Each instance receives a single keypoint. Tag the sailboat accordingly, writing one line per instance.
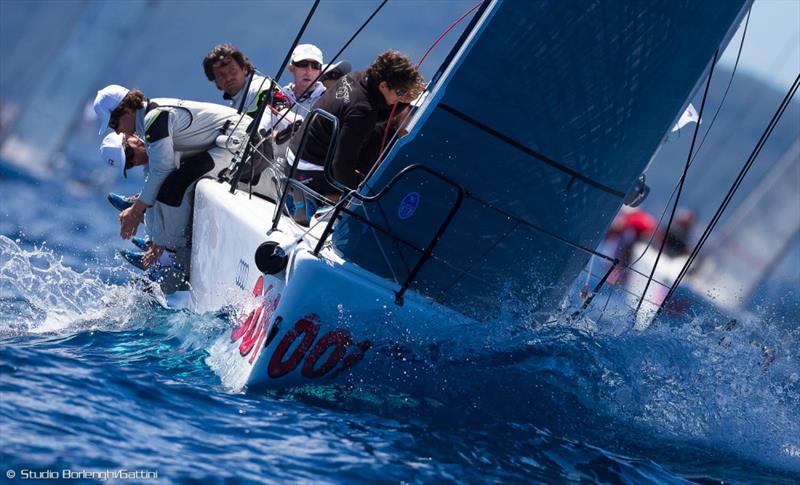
(518, 156)
(754, 239)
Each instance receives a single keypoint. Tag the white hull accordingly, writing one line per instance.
(318, 320)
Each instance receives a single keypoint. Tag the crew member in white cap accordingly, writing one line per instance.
(123, 152)
(305, 68)
(168, 126)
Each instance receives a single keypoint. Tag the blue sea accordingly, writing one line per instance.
(99, 381)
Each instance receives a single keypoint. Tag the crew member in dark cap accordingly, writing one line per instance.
(332, 72)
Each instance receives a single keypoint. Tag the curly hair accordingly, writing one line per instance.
(224, 51)
(134, 100)
(397, 70)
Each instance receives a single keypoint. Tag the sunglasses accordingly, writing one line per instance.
(303, 64)
(401, 93)
(113, 120)
(129, 153)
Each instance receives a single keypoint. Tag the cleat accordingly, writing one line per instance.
(135, 258)
(141, 242)
(120, 202)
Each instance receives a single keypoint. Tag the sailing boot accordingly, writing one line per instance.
(141, 242)
(134, 258)
(120, 202)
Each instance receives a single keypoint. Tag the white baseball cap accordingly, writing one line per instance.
(112, 153)
(307, 52)
(106, 101)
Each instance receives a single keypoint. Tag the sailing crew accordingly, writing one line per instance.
(630, 227)
(677, 240)
(205, 134)
(305, 66)
(123, 152)
(360, 101)
(233, 74)
(331, 73)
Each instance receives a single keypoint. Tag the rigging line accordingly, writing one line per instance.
(705, 135)
(296, 40)
(383, 253)
(681, 183)
(734, 187)
(535, 227)
(725, 95)
(260, 113)
(384, 147)
(438, 39)
(447, 31)
(478, 259)
(528, 151)
(335, 57)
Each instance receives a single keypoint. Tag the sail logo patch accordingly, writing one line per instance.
(408, 206)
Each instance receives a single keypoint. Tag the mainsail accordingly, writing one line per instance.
(546, 114)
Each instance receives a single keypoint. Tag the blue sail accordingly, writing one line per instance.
(546, 115)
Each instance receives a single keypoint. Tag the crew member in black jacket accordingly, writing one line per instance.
(360, 100)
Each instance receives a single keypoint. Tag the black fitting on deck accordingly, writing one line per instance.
(271, 258)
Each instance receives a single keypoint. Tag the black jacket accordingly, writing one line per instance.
(359, 106)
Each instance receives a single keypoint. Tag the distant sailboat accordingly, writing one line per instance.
(755, 237)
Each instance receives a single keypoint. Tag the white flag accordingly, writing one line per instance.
(688, 116)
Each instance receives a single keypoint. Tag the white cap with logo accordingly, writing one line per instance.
(106, 101)
(112, 153)
(307, 52)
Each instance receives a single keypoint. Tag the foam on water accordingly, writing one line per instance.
(729, 394)
(42, 295)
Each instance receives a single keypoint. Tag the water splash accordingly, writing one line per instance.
(39, 294)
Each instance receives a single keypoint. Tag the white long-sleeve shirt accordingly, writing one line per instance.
(173, 125)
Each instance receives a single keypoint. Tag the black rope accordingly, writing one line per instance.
(680, 185)
(296, 40)
(237, 175)
(528, 151)
(260, 113)
(725, 95)
(705, 135)
(734, 187)
(332, 61)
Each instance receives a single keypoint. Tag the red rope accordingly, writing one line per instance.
(448, 30)
(394, 107)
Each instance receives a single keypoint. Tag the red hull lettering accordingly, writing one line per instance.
(308, 328)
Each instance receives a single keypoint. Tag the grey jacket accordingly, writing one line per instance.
(170, 125)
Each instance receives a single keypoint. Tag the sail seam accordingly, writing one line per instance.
(532, 153)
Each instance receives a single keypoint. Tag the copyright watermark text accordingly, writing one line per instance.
(68, 474)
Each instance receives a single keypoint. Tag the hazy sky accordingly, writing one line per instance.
(772, 46)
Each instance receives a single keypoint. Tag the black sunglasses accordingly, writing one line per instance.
(401, 93)
(303, 64)
(113, 120)
(129, 154)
